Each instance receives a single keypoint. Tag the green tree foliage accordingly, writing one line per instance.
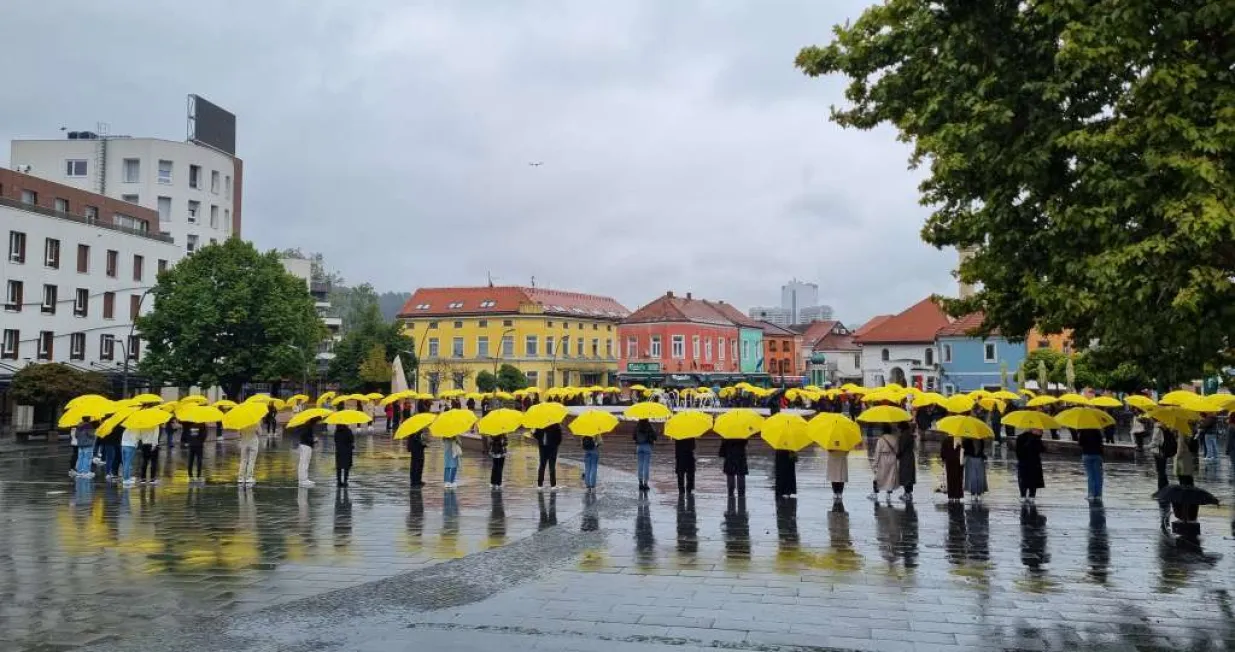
(486, 381)
(1082, 150)
(53, 384)
(369, 331)
(509, 378)
(228, 315)
(375, 370)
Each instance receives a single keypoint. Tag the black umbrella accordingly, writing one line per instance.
(1178, 494)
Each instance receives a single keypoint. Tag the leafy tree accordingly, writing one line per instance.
(509, 378)
(1081, 150)
(369, 331)
(375, 370)
(354, 305)
(228, 315)
(486, 381)
(54, 384)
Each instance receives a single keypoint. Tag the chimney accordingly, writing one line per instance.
(669, 294)
(688, 296)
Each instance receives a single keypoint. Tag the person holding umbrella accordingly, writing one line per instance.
(85, 448)
(907, 461)
(733, 451)
(416, 445)
(887, 466)
(194, 436)
(1029, 477)
(1164, 445)
(344, 450)
(645, 439)
(548, 441)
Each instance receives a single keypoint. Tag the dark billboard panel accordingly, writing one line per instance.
(211, 126)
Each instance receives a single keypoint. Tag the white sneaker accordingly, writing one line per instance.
(153, 482)
(72, 473)
(251, 481)
(128, 483)
(540, 488)
(307, 483)
(553, 489)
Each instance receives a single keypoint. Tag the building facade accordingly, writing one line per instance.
(781, 354)
(901, 348)
(555, 338)
(320, 291)
(195, 191)
(829, 354)
(969, 362)
(750, 337)
(799, 304)
(77, 270)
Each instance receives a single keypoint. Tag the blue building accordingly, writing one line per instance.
(968, 362)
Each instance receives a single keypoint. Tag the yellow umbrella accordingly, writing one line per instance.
(373, 396)
(1005, 395)
(1105, 402)
(1041, 401)
(280, 405)
(979, 394)
(612, 390)
(739, 423)
(259, 398)
(1141, 402)
(1199, 404)
(452, 423)
(929, 398)
(885, 395)
(1177, 397)
(128, 402)
(503, 396)
(225, 404)
(244, 416)
(786, 432)
(475, 396)
(1030, 420)
(965, 427)
(543, 415)
(850, 388)
(1027, 392)
(109, 425)
(148, 399)
(884, 414)
(93, 410)
(415, 424)
(637, 388)
(304, 417)
(593, 423)
(194, 399)
(397, 396)
(1224, 401)
(325, 397)
(86, 398)
(648, 410)
(1176, 418)
(1085, 418)
(992, 404)
(500, 422)
(343, 398)
(959, 404)
(532, 390)
(451, 393)
(170, 406)
(145, 419)
(199, 414)
(348, 418)
(688, 425)
(834, 432)
(298, 398)
(896, 386)
(1074, 399)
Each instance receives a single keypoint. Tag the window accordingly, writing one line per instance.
(132, 199)
(579, 347)
(77, 346)
(533, 379)
(227, 218)
(433, 350)
(458, 324)
(595, 348)
(949, 389)
(8, 346)
(45, 344)
(857, 361)
(989, 352)
(75, 167)
(929, 357)
(81, 302)
(60, 205)
(580, 325)
(508, 346)
(720, 349)
(654, 347)
(139, 262)
(135, 306)
(227, 187)
(16, 247)
(632, 347)
(92, 214)
(456, 347)
(678, 347)
(107, 347)
(454, 305)
(432, 324)
(195, 207)
(190, 243)
(549, 350)
(734, 344)
(507, 323)
(132, 223)
(131, 171)
(609, 349)
(213, 241)
(195, 176)
(49, 299)
(51, 253)
(113, 262)
(214, 216)
(484, 323)
(165, 209)
(746, 349)
(482, 346)
(422, 306)
(595, 326)
(549, 324)
(489, 303)
(531, 346)
(109, 305)
(694, 347)
(885, 356)
(13, 296)
(165, 172)
(214, 181)
(457, 378)
(29, 197)
(135, 347)
(947, 352)
(162, 266)
(707, 349)
(83, 259)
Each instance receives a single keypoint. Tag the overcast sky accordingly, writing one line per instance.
(681, 149)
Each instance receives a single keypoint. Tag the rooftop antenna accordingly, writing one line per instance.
(533, 281)
(490, 277)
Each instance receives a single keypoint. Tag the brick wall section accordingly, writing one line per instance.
(237, 196)
(12, 183)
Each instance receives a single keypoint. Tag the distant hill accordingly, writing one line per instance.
(391, 303)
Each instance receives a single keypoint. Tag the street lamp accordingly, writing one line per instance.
(501, 350)
(125, 376)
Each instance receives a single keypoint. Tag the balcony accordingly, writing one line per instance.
(333, 323)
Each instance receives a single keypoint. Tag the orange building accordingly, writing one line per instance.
(1061, 342)
(781, 358)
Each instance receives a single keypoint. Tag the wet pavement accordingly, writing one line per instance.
(381, 568)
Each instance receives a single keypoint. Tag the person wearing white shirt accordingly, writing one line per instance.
(249, 445)
(128, 448)
(148, 439)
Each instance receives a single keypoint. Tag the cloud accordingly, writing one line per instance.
(681, 148)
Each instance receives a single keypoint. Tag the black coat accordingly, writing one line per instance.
(550, 437)
(907, 461)
(1029, 461)
(734, 453)
(344, 440)
(684, 456)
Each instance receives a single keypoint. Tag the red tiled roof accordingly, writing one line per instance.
(834, 342)
(733, 314)
(966, 326)
(669, 307)
(868, 326)
(438, 302)
(918, 323)
(816, 331)
(776, 331)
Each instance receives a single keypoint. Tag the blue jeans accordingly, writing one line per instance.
(109, 459)
(126, 461)
(643, 454)
(591, 459)
(1210, 442)
(1093, 474)
(85, 455)
(449, 473)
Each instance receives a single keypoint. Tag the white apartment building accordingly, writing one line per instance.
(195, 190)
(320, 291)
(76, 271)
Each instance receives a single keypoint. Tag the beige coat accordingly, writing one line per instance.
(887, 467)
(838, 466)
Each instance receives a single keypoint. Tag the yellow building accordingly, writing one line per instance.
(1060, 342)
(556, 338)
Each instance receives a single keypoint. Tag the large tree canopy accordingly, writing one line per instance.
(355, 367)
(228, 315)
(1082, 150)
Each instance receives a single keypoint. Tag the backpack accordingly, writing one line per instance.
(1170, 444)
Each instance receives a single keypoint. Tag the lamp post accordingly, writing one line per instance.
(125, 375)
(501, 349)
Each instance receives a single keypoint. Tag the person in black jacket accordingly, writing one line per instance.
(733, 451)
(416, 446)
(1029, 464)
(684, 465)
(548, 440)
(344, 448)
(194, 436)
(1091, 457)
(785, 466)
(645, 438)
(497, 456)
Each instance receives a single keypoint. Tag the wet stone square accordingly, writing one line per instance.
(93, 566)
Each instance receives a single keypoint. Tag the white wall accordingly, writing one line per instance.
(35, 274)
(848, 363)
(910, 358)
(47, 158)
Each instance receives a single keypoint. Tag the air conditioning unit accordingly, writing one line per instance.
(25, 169)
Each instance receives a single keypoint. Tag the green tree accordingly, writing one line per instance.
(375, 370)
(486, 381)
(228, 315)
(53, 384)
(1081, 150)
(509, 378)
(370, 330)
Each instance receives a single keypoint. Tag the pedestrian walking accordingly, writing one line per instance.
(838, 472)
(1091, 456)
(308, 438)
(390, 417)
(85, 448)
(112, 457)
(733, 451)
(1164, 445)
(1208, 433)
(975, 467)
(271, 420)
(497, 457)
(645, 439)
(684, 465)
(149, 441)
(73, 452)
(954, 474)
(907, 462)
(548, 441)
(128, 450)
(785, 468)
(250, 444)
(169, 429)
(591, 460)
(886, 465)
(416, 446)
(1141, 428)
(1029, 464)
(451, 452)
(1186, 460)
(194, 436)
(344, 449)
